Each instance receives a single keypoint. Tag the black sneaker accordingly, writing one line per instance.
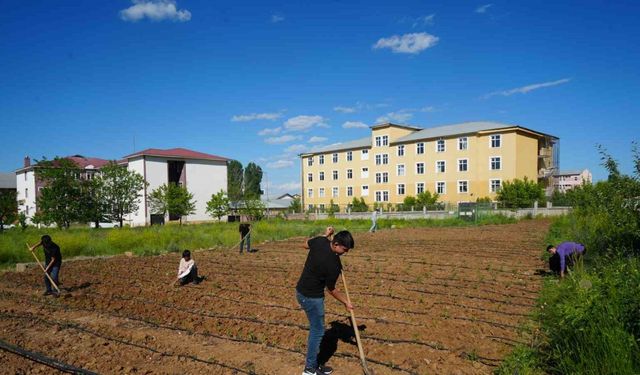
(324, 370)
(47, 293)
(309, 371)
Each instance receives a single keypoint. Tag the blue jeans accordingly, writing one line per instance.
(53, 272)
(374, 226)
(314, 308)
(248, 239)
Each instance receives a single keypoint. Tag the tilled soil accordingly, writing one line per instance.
(428, 301)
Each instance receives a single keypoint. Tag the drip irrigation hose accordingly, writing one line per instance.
(47, 361)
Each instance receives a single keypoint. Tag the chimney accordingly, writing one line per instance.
(27, 161)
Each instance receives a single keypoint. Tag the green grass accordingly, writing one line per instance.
(81, 241)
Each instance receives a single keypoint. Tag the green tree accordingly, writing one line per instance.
(409, 202)
(520, 193)
(218, 206)
(121, 190)
(252, 180)
(173, 199)
(426, 199)
(93, 207)
(8, 207)
(333, 208)
(253, 208)
(61, 197)
(22, 219)
(359, 205)
(296, 205)
(235, 180)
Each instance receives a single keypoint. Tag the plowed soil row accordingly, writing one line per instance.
(429, 301)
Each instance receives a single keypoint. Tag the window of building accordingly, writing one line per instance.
(378, 159)
(334, 157)
(310, 207)
(494, 185)
(385, 177)
(378, 141)
(420, 148)
(27, 210)
(463, 165)
(310, 177)
(463, 186)
(310, 193)
(463, 143)
(441, 187)
(400, 150)
(440, 145)
(334, 192)
(26, 193)
(321, 206)
(419, 168)
(385, 196)
(400, 170)
(321, 159)
(440, 166)
(321, 176)
(496, 163)
(378, 178)
(496, 141)
(349, 191)
(420, 187)
(378, 196)
(364, 190)
(385, 140)
(364, 155)
(364, 173)
(321, 192)
(385, 159)
(349, 174)
(401, 190)
(310, 161)
(349, 155)
(335, 175)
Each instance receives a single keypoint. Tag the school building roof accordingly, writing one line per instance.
(181, 153)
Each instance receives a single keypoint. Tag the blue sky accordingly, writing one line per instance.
(261, 81)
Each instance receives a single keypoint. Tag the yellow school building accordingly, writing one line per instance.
(460, 162)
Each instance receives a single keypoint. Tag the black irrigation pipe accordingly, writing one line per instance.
(77, 327)
(47, 361)
(472, 297)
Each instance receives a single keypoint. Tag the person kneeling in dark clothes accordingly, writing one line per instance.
(187, 271)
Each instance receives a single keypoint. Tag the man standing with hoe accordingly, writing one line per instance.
(321, 270)
(245, 235)
(53, 260)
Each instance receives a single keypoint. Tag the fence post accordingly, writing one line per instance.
(535, 208)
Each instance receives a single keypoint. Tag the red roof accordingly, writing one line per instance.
(182, 153)
(83, 162)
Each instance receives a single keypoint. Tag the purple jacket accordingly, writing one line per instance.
(567, 249)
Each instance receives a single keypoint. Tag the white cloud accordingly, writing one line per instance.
(270, 131)
(425, 20)
(279, 164)
(344, 109)
(354, 124)
(428, 108)
(407, 43)
(483, 8)
(401, 116)
(281, 139)
(277, 18)
(296, 149)
(155, 10)
(528, 88)
(288, 186)
(301, 123)
(256, 116)
(317, 139)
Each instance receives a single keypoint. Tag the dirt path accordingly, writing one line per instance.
(433, 300)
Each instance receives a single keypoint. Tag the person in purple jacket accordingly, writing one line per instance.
(571, 251)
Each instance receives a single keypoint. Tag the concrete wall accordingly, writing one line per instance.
(204, 178)
(26, 189)
(140, 217)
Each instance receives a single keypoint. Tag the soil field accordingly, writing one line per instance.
(428, 301)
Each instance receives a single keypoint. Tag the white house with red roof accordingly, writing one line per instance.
(202, 174)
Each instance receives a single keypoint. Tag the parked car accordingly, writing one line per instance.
(104, 225)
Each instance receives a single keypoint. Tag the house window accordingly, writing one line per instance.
(349, 155)
(420, 148)
(378, 178)
(463, 143)
(401, 189)
(310, 177)
(420, 187)
(321, 206)
(494, 185)
(463, 165)
(321, 192)
(349, 174)
(378, 141)
(440, 166)
(335, 175)
(310, 161)
(385, 159)
(310, 193)
(321, 176)
(364, 190)
(378, 196)
(385, 196)
(364, 155)
(334, 192)
(385, 177)
(463, 186)
(385, 140)
(496, 141)
(441, 187)
(495, 163)
(26, 193)
(400, 169)
(335, 157)
(401, 150)
(310, 207)
(419, 168)
(378, 159)
(364, 173)
(27, 210)
(321, 159)
(349, 191)
(440, 145)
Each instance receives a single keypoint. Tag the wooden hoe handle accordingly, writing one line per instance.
(43, 270)
(355, 329)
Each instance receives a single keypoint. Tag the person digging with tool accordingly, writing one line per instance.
(53, 261)
(245, 235)
(321, 270)
(566, 252)
(187, 270)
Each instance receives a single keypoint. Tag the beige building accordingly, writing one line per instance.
(460, 162)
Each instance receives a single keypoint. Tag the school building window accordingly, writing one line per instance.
(496, 163)
(321, 159)
(494, 185)
(310, 207)
(310, 193)
(382, 159)
(496, 141)
(400, 170)
(364, 190)
(334, 192)
(321, 192)
(463, 143)
(382, 196)
(419, 168)
(463, 165)
(463, 186)
(420, 187)
(310, 161)
(401, 190)
(378, 178)
(349, 174)
(310, 177)
(335, 175)
(349, 155)
(441, 187)
(364, 173)
(335, 157)
(321, 206)
(364, 155)
(401, 150)
(349, 191)
(420, 148)
(440, 166)
(440, 145)
(321, 176)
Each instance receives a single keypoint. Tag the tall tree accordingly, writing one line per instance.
(8, 207)
(60, 199)
(253, 208)
(173, 199)
(252, 180)
(93, 207)
(235, 178)
(122, 190)
(218, 206)
(296, 205)
(520, 193)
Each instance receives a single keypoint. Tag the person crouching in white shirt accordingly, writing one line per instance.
(187, 271)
